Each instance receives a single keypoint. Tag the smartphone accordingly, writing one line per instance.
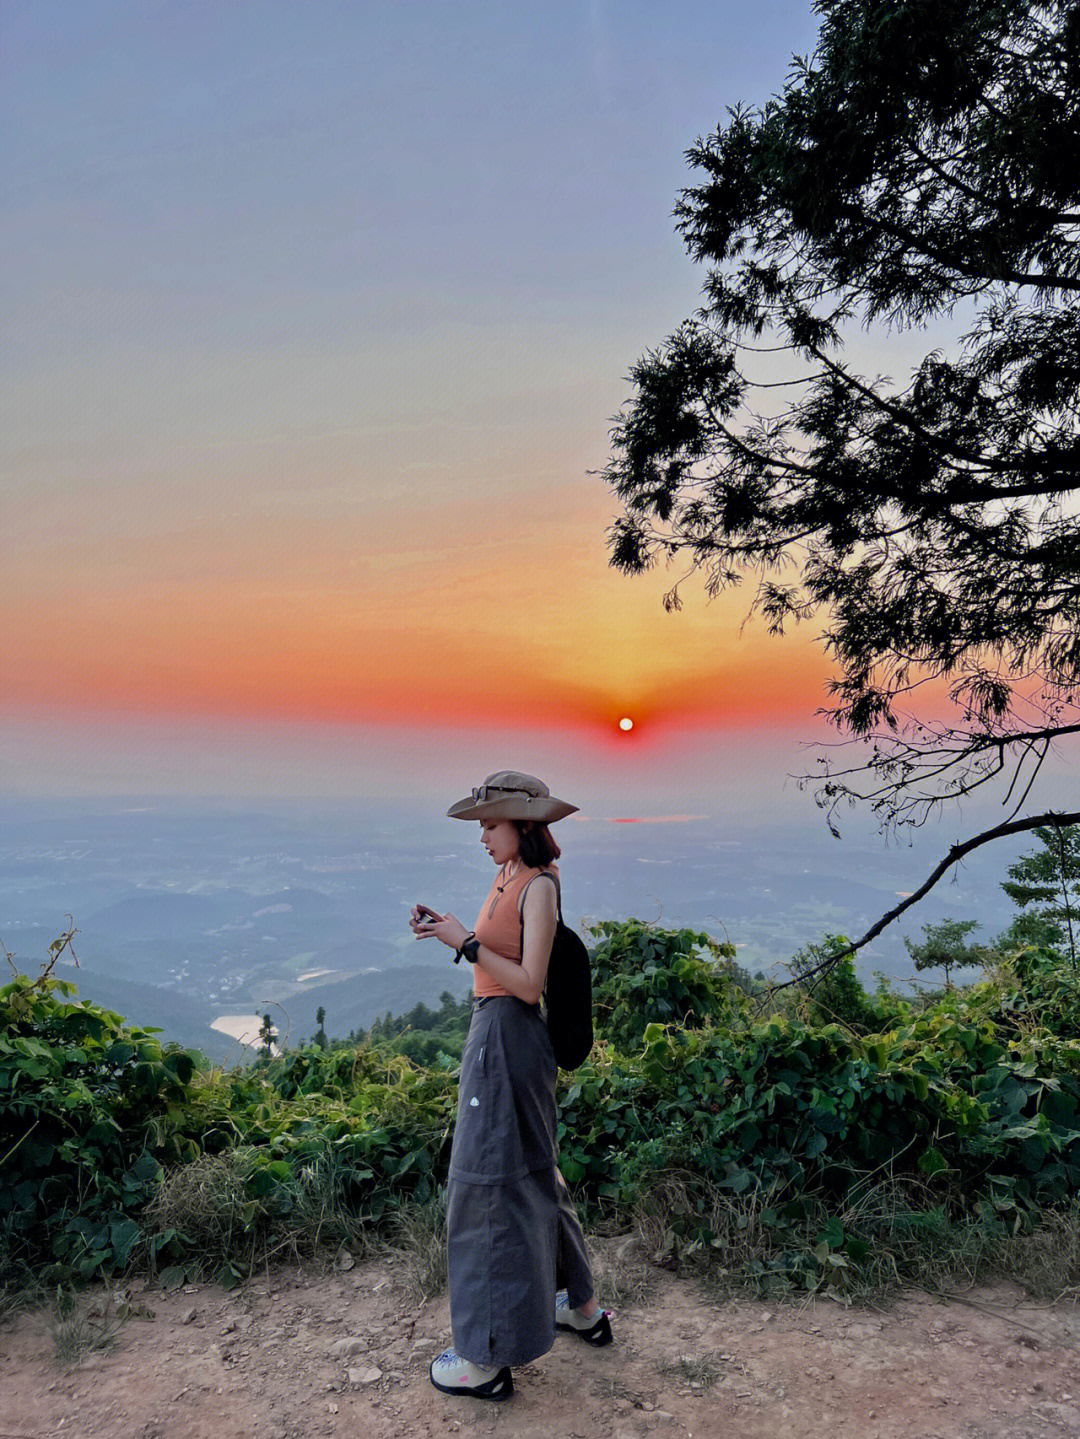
(428, 915)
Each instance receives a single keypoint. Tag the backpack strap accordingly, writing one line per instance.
(544, 874)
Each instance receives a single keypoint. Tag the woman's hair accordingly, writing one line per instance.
(537, 845)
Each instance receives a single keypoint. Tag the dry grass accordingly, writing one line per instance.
(418, 1242)
(903, 1223)
(204, 1201)
(624, 1274)
(81, 1327)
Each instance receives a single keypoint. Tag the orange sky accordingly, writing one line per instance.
(318, 333)
(359, 620)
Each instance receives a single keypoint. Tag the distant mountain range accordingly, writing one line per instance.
(187, 915)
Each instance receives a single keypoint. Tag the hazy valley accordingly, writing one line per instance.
(189, 916)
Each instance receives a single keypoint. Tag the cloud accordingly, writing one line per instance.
(656, 819)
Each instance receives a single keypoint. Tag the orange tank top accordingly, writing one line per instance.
(498, 926)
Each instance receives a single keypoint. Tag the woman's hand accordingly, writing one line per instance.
(449, 928)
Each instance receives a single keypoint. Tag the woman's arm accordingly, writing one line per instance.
(525, 980)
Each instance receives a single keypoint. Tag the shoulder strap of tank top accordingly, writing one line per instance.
(544, 874)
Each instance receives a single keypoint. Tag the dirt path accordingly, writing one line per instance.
(266, 1362)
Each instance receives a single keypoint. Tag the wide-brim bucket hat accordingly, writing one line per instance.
(508, 794)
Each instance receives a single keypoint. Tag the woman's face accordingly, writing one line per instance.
(500, 839)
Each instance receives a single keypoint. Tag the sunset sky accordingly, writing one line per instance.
(316, 318)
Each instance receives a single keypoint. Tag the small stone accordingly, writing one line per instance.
(365, 1376)
(188, 1316)
(344, 1348)
(229, 1327)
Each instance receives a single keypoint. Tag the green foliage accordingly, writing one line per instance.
(267, 1036)
(1050, 878)
(1035, 987)
(426, 1036)
(643, 974)
(319, 1146)
(795, 1118)
(943, 947)
(86, 1108)
(836, 996)
(786, 1128)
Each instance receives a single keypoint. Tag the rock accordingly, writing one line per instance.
(365, 1376)
(1064, 1414)
(188, 1316)
(630, 1247)
(344, 1348)
(860, 1331)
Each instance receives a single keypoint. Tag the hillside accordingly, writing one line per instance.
(351, 1002)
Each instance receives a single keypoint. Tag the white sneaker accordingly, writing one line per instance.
(454, 1375)
(594, 1330)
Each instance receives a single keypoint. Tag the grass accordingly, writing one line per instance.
(702, 1371)
(20, 1293)
(79, 1328)
(417, 1239)
(907, 1238)
(204, 1201)
(620, 1263)
(910, 1242)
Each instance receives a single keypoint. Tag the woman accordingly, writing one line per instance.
(512, 1233)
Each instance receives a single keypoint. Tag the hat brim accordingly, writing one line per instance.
(543, 809)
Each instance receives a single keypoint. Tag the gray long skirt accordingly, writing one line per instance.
(513, 1236)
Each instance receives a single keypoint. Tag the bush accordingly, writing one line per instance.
(810, 1149)
(87, 1110)
(643, 974)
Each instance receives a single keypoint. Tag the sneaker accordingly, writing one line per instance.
(453, 1375)
(595, 1330)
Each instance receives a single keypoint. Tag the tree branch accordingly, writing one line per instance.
(955, 854)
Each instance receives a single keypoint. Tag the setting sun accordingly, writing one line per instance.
(626, 724)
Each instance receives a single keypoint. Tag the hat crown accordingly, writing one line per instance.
(511, 794)
(511, 782)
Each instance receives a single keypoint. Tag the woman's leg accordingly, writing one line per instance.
(573, 1272)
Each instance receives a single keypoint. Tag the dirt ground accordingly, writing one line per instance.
(304, 1353)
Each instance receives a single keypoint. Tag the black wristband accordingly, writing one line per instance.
(470, 948)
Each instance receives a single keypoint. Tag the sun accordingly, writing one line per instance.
(626, 723)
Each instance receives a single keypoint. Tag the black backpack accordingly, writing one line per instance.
(568, 990)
